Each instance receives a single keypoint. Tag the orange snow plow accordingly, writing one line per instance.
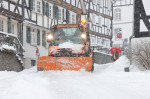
(64, 63)
(69, 49)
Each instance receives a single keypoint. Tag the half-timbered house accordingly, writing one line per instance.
(31, 20)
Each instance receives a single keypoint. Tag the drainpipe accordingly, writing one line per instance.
(127, 69)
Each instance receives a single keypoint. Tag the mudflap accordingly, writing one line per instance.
(64, 63)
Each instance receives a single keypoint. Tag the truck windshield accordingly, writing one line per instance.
(67, 34)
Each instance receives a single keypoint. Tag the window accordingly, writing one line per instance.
(99, 41)
(63, 14)
(73, 19)
(67, 16)
(38, 37)
(38, 6)
(109, 5)
(107, 43)
(99, 21)
(59, 14)
(108, 23)
(103, 42)
(33, 5)
(93, 39)
(117, 14)
(1, 25)
(94, 1)
(93, 18)
(20, 33)
(71, 34)
(12, 28)
(99, 1)
(33, 37)
(28, 34)
(44, 38)
(50, 11)
(55, 12)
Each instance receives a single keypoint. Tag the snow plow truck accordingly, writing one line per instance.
(69, 49)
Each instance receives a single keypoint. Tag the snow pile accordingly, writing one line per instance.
(77, 48)
(119, 65)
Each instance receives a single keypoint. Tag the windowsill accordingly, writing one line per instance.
(117, 20)
(33, 44)
(37, 12)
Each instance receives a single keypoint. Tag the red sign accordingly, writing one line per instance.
(119, 35)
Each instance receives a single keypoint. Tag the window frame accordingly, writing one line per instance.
(43, 38)
(2, 25)
(73, 19)
(38, 5)
(117, 14)
(60, 14)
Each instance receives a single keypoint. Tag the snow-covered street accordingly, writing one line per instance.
(106, 82)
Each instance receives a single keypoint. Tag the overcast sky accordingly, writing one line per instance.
(147, 6)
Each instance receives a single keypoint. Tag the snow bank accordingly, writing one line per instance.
(119, 65)
(75, 47)
(30, 84)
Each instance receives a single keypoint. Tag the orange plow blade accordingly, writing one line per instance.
(64, 63)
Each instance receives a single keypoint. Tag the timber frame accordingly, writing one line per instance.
(103, 10)
(140, 14)
(76, 7)
(123, 3)
(18, 12)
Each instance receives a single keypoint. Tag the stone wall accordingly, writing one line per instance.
(101, 58)
(9, 62)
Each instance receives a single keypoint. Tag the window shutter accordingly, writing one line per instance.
(28, 34)
(20, 33)
(47, 9)
(63, 16)
(55, 12)
(9, 25)
(44, 38)
(38, 37)
(67, 16)
(31, 4)
(43, 7)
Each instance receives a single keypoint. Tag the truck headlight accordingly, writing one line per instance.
(50, 37)
(83, 36)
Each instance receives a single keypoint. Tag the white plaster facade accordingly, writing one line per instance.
(124, 23)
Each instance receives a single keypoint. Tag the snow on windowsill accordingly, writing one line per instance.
(7, 47)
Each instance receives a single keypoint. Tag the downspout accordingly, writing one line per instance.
(132, 36)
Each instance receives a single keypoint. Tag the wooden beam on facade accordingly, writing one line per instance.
(100, 14)
(100, 35)
(10, 14)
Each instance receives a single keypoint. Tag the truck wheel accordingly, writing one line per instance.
(39, 69)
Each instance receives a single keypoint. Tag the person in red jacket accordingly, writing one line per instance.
(115, 55)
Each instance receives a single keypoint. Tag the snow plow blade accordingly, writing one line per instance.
(47, 63)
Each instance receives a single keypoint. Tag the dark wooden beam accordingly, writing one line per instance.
(100, 35)
(11, 15)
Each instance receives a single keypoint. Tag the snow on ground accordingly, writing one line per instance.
(108, 81)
